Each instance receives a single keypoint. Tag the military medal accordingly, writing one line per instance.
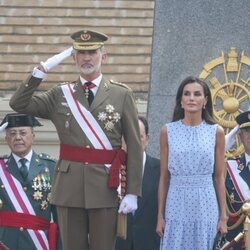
(231, 196)
(38, 195)
(241, 166)
(41, 184)
(45, 177)
(44, 204)
(35, 185)
(109, 118)
(48, 197)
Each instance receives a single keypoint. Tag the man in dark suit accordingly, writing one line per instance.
(238, 181)
(91, 115)
(25, 187)
(141, 224)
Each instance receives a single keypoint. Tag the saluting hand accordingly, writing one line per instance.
(229, 138)
(56, 59)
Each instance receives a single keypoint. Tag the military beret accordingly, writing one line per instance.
(20, 120)
(243, 119)
(88, 40)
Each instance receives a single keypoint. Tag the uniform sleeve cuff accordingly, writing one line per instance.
(38, 73)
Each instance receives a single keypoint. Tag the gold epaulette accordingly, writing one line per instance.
(119, 84)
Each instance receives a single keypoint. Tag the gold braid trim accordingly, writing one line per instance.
(233, 214)
(240, 220)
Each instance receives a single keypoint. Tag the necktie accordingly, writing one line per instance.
(88, 92)
(23, 169)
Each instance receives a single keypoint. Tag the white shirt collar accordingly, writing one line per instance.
(27, 157)
(96, 81)
(144, 161)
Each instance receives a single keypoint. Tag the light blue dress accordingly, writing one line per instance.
(191, 207)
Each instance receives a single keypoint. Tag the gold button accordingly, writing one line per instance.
(1, 203)
(68, 114)
(87, 146)
(2, 186)
(25, 189)
(21, 228)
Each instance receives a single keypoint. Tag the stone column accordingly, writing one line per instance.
(187, 35)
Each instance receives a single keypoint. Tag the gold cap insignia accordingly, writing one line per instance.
(85, 36)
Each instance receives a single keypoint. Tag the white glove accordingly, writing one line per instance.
(56, 59)
(2, 128)
(229, 138)
(128, 204)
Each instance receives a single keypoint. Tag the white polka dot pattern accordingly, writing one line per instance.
(191, 206)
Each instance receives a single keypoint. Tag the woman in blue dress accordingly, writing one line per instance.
(191, 194)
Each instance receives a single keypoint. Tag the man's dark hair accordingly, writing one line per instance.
(145, 123)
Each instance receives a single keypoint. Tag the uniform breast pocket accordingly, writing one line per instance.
(63, 166)
(63, 121)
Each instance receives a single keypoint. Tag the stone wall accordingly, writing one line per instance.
(32, 31)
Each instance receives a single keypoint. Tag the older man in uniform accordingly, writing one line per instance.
(91, 115)
(25, 188)
(238, 181)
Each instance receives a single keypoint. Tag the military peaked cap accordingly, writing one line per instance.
(88, 40)
(243, 119)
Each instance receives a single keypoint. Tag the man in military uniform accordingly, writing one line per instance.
(91, 116)
(25, 187)
(238, 181)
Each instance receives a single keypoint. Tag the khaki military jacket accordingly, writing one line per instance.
(82, 184)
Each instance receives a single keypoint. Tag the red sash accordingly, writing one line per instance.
(115, 157)
(23, 206)
(28, 221)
